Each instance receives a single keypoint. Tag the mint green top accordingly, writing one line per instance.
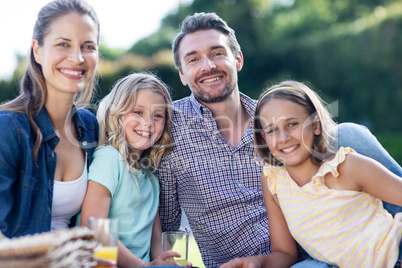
(135, 207)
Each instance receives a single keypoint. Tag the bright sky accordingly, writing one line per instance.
(123, 22)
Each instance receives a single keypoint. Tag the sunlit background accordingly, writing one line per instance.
(123, 22)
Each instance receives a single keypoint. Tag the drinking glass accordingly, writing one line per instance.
(176, 241)
(106, 233)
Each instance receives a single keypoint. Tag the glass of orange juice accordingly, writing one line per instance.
(106, 233)
(176, 241)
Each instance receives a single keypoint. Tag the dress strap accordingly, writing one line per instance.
(331, 166)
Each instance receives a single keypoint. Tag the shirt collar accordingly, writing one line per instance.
(197, 106)
(248, 103)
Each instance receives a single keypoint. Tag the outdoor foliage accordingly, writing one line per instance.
(347, 50)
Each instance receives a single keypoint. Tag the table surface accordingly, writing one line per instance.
(168, 266)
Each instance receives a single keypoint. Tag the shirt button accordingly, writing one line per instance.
(256, 225)
(84, 143)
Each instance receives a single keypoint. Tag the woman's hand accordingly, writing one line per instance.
(163, 259)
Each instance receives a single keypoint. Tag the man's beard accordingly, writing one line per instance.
(202, 96)
(205, 98)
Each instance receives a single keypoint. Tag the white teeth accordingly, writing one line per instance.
(71, 72)
(287, 150)
(212, 80)
(144, 134)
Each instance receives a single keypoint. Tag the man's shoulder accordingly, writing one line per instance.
(183, 110)
(249, 103)
(182, 105)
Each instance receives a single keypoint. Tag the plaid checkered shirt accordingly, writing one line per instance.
(217, 186)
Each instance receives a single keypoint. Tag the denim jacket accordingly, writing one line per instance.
(26, 187)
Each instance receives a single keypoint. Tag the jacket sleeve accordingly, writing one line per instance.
(9, 165)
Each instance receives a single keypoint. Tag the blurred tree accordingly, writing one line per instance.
(7, 90)
(154, 43)
(107, 53)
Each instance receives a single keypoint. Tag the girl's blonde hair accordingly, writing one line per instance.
(120, 101)
(313, 105)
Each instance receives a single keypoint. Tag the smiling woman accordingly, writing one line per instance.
(68, 61)
(46, 121)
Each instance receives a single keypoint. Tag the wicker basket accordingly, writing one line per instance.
(63, 248)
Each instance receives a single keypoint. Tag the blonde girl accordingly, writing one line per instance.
(134, 134)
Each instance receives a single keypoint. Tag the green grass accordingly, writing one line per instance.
(392, 142)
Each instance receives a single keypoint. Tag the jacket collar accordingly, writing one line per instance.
(42, 120)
